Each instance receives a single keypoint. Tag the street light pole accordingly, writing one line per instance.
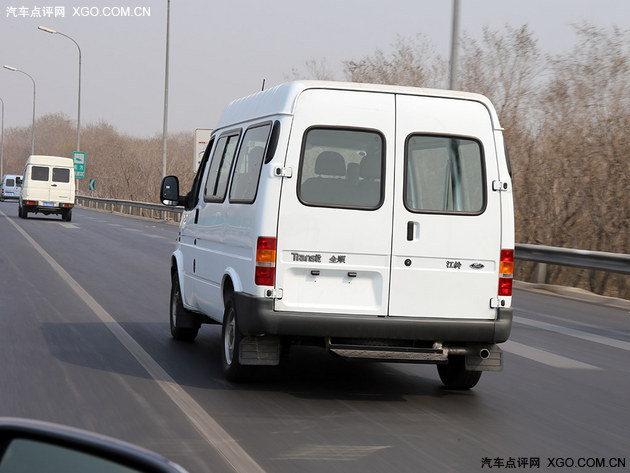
(33, 125)
(2, 143)
(452, 81)
(51, 31)
(165, 128)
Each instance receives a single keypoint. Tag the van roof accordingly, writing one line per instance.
(281, 100)
(50, 160)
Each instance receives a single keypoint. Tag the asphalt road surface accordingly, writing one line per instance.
(84, 341)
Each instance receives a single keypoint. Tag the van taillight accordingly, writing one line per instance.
(265, 261)
(506, 272)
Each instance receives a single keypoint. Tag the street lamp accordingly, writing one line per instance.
(33, 126)
(165, 126)
(2, 143)
(51, 31)
(452, 80)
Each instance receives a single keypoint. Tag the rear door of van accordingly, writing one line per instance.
(447, 218)
(61, 185)
(391, 210)
(335, 216)
(38, 185)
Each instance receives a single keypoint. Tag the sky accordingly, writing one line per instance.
(223, 49)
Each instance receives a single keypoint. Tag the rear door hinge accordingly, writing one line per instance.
(497, 302)
(500, 186)
(273, 293)
(280, 171)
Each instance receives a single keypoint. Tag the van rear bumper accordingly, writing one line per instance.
(257, 317)
(56, 208)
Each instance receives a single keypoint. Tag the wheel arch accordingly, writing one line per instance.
(231, 283)
(177, 264)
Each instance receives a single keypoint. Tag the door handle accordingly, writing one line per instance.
(413, 230)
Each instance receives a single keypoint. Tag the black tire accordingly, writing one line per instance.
(66, 216)
(454, 375)
(22, 212)
(179, 313)
(231, 338)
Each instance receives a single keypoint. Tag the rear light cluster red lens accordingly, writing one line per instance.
(265, 261)
(506, 272)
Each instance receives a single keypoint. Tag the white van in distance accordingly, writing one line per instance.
(10, 188)
(374, 221)
(48, 187)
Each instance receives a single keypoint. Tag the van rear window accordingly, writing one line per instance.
(9, 182)
(61, 175)
(40, 173)
(444, 175)
(342, 168)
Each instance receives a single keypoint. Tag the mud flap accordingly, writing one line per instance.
(259, 351)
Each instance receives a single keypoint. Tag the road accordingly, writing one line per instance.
(84, 341)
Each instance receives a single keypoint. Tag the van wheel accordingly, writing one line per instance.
(66, 216)
(22, 212)
(178, 314)
(454, 375)
(231, 335)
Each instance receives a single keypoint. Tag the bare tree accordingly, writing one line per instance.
(412, 62)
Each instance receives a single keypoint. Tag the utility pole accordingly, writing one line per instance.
(452, 81)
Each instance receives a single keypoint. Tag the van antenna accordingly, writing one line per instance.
(263, 85)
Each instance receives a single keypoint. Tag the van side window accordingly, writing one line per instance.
(40, 173)
(342, 168)
(61, 175)
(248, 164)
(444, 175)
(192, 198)
(218, 174)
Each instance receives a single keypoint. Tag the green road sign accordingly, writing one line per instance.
(79, 164)
(92, 184)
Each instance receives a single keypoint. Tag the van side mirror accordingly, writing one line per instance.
(18, 181)
(42, 447)
(169, 192)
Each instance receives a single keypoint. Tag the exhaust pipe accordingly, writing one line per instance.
(483, 353)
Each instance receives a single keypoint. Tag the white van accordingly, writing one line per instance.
(10, 188)
(48, 187)
(375, 221)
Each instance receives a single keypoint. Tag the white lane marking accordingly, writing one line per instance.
(231, 451)
(345, 453)
(68, 225)
(545, 357)
(611, 342)
(159, 237)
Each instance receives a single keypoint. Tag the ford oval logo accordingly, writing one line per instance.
(477, 266)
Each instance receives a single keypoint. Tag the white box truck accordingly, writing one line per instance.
(375, 221)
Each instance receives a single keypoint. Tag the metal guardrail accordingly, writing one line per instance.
(543, 255)
(139, 209)
(613, 262)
